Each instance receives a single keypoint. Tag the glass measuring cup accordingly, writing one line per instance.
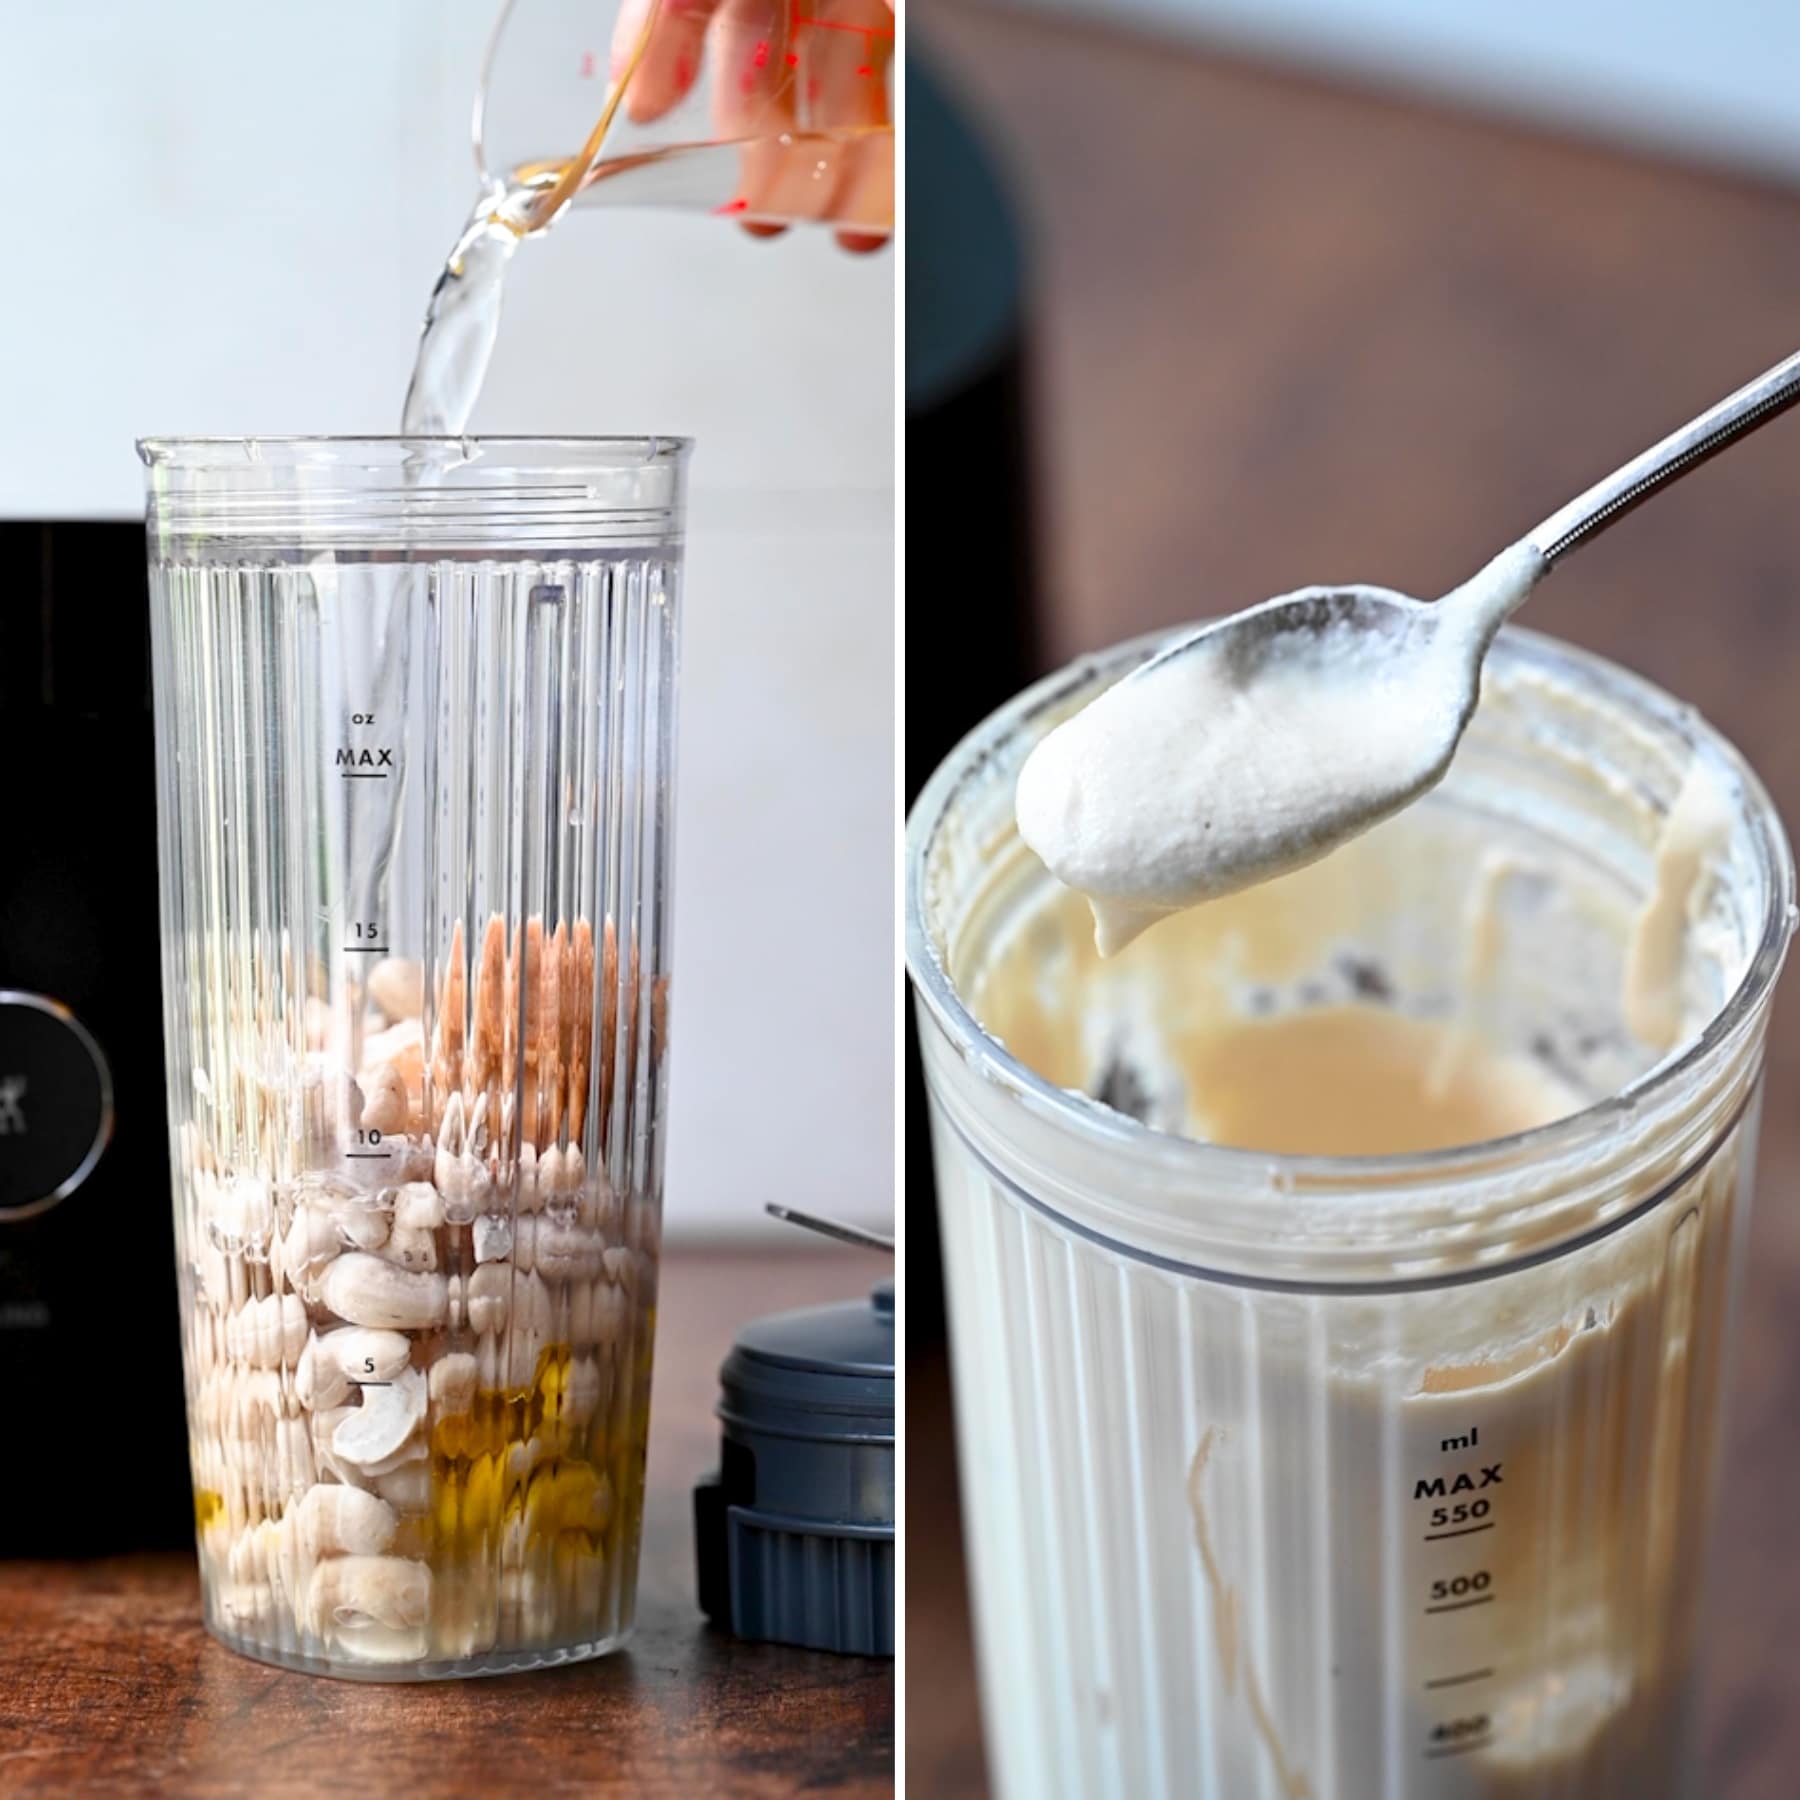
(415, 733)
(1333, 1477)
(771, 111)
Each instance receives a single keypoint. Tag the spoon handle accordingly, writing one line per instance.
(1758, 401)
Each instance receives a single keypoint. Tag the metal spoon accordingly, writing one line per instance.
(1243, 636)
(1268, 670)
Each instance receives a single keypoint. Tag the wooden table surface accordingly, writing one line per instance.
(1288, 331)
(110, 1685)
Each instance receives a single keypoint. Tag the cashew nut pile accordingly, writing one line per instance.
(417, 1315)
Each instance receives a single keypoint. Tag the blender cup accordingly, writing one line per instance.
(415, 734)
(1324, 1476)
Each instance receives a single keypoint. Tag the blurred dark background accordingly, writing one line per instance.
(1275, 323)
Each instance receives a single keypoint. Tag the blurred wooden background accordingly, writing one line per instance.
(1288, 332)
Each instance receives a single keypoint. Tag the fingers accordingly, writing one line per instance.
(801, 85)
(753, 61)
(672, 57)
(864, 213)
(835, 162)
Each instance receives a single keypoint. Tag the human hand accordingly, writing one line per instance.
(800, 85)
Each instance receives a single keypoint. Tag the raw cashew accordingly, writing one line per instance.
(523, 1459)
(365, 1354)
(408, 1488)
(311, 1242)
(307, 1386)
(530, 1192)
(245, 1606)
(560, 1172)
(612, 1314)
(364, 1290)
(452, 1382)
(530, 1326)
(581, 1312)
(331, 1364)
(239, 1213)
(416, 1451)
(316, 1022)
(270, 1333)
(493, 1237)
(213, 1270)
(330, 1103)
(599, 1205)
(524, 1244)
(295, 1466)
(253, 1396)
(372, 1434)
(489, 1290)
(397, 986)
(354, 1592)
(335, 1520)
(464, 1182)
(581, 1390)
(363, 1227)
(419, 1207)
(384, 1100)
(411, 1250)
(399, 1051)
(567, 1252)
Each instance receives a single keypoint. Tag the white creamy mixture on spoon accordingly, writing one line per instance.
(1242, 753)
(1265, 742)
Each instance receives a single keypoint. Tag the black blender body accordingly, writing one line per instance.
(967, 426)
(89, 1338)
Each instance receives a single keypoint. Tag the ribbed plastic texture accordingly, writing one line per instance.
(1353, 1478)
(794, 1538)
(1232, 1544)
(414, 830)
(800, 1582)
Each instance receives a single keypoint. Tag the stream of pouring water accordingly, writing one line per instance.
(462, 320)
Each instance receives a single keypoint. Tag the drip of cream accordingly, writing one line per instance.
(1192, 778)
(1694, 834)
(1483, 940)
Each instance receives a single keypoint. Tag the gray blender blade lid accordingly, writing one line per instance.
(794, 1535)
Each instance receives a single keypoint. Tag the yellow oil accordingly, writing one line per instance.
(208, 1505)
(482, 1491)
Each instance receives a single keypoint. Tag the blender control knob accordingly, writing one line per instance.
(56, 1109)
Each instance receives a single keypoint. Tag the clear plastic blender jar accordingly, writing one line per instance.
(1325, 1476)
(415, 732)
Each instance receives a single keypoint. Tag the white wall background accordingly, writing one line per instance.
(1712, 78)
(226, 218)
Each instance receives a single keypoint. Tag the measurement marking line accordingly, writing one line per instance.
(1432, 1537)
(365, 949)
(1480, 1743)
(1444, 1681)
(374, 1384)
(1461, 1605)
(363, 774)
(378, 1155)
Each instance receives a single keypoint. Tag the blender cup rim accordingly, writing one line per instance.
(616, 451)
(1105, 1128)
